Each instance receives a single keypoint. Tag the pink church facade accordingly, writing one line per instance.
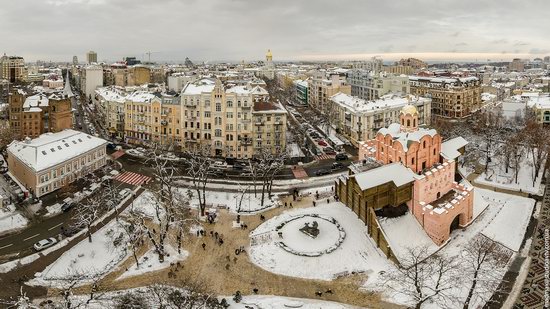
(439, 203)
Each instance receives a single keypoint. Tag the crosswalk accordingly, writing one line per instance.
(324, 157)
(132, 178)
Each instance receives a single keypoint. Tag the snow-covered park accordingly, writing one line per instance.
(276, 302)
(11, 220)
(356, 253)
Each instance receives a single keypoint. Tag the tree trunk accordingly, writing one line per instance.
(135, 256)
(89, 234)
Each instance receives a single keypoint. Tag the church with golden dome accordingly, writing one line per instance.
(268, 70)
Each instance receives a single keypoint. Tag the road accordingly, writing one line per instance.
(20, 244)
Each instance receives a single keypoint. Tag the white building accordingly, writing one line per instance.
(53, 160)
(91, 79)
(360, 120)
(369, 85)
(110, 107)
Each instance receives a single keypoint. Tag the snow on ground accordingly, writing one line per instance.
(95, 258)
(508, 227)
(405, 232)
(496, 176)
(276, 302)
(145, 204)
(499, 216)
(231, 200)
(10, 220)
(149, 262)
(357, 252)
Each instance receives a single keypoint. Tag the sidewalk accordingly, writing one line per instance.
(473, 176)
(299, 172)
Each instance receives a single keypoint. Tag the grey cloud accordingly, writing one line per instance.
(245, 29)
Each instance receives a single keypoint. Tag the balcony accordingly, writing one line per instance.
(163, 123)
(259, 123)
(246, 106)
(246, 142)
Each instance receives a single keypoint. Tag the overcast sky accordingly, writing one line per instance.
(209, 30)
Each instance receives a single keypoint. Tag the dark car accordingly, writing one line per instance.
(337, 166)
(322, 172)
(341, 157)
(67, 206)
(69, 231)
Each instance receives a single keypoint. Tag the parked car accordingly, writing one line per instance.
(322, 172)
(124, 193)
(44, 243)
(341, 156)
(67, 205)
(329, 151)
(322, 143)
(337, 166)
(69, 231)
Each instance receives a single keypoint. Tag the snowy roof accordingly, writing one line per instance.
(394, 172)
(443, 79)
(200, 86)
(356, 104)
(141, 96)
(37, 100)
(112, 94)
(541, 101)
(51, 149)
(449, 148)
(394, 130)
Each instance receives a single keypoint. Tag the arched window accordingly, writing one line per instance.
(402, 121)
(414, 122)
(408, 122)
(424, 144)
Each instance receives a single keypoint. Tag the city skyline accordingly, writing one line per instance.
(242, 30)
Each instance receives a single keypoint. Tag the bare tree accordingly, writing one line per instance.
(198, 166)
(22, 301)
(536, 140)
(268, 164)
(88, 211)
(134, 235)
(423, 278)
(482, 258)
(7, 135)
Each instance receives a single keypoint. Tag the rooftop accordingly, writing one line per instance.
(356, 104)
(394, 172)
(406, 138)
(51, 149)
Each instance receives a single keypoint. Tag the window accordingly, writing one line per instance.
(207, 114)
(218, 133)
(218, 107)
(229, 103)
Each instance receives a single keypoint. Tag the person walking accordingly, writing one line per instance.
(203, 246)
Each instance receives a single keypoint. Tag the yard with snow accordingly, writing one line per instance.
(276, 302)
(11, 220)
(149, 262)
(235, 201)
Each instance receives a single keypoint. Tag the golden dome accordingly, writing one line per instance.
(409, 109)
(269, 53)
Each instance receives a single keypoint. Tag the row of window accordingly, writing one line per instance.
(71, 166)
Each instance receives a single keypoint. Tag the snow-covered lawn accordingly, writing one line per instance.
(149, 262)
(277, 302)
(11, 220)
(496, 176)
(145, 205)
(90, 259)
(232, 200)
(357, 253)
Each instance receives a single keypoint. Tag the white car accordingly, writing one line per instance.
(124, 192)
(45, 243)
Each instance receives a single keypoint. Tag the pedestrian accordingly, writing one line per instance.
(290, 204)
(216, 235)
(235, 260)
(198, 233)
(203, 246)
(221, 241)
(226, 266)
(328, 200)
(255, 290)
(212, 233)
(313, 203)
(285, 204)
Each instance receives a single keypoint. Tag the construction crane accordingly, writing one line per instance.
(149, 55)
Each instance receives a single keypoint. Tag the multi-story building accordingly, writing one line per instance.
(110, 109)
(139, 75)
(320, 89)
(300, 91)
(53, 160)
(153, 118)
(373, 65)
(517, 65)
(177, 81)
(13, 69)
(91, 57)
(90, 79)
(451, 97)
(371, 86)
(540, 103)
(75, 60)
(399, 69)
(359, 120)
(31, 115)
(416, 64)
(237, 122)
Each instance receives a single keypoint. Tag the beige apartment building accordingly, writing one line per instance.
(237, 122)
(359, 120)
(53, 160)
(320, 89)
(152, 118)
(110, 106)
(451, 97)
(12, 68)
(369, 85)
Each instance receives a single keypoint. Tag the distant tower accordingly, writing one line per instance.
(269, 56)
(408, 118)
(91, 57)
(75, 60)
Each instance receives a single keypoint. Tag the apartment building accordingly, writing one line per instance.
(152, 118)
(453, 98)
(32, 114)
(53, 160)
(320, 89)
(359, 120)
(91, 57)
(110, 108)
(237, 122)
(368, 85)
(91, 77)
(12, 68)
